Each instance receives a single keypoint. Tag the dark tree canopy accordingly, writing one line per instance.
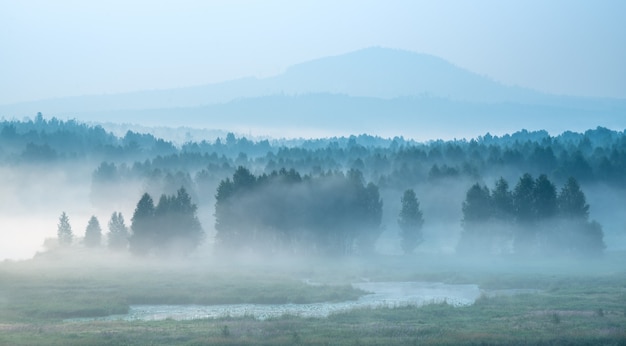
(524, 199)
(572, 202)
(477, 204)
(141, 239)
(502, 200)
(477, 211)
(534, 217)
(331, 213)
(410, 221)
(170, 228)
(545, 198)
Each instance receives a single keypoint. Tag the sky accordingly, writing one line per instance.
(51, 49)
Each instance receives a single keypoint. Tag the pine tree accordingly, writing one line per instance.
(572, 202)
(410, 221)
(93, 233)
(524, 200)
(170, 228)
(64, 230)
(545, 204)
(477, 206)
(477, 212)
(118, 232)
(525, 215)
(578, 234)
(502, 201)
(142, 226)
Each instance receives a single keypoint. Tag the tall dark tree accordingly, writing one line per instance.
(410, 221)
(184, 232)
(545, 203)
(577, 234)
(525, 215)
(477, 212)
(572, 202)
(477, 206)
(372, 213)
(118, 232)
(225, 214)
(93, 233)
(142, 226)
(170, 228)
(524, 200)
(64, 230)
(502, 200)
(243, 179)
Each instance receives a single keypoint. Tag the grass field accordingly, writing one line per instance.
(579, 302)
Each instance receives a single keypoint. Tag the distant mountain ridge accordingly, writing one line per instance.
(376, 86)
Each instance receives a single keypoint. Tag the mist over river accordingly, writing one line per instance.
(380, 294)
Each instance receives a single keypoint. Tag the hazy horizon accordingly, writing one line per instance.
(68, 48)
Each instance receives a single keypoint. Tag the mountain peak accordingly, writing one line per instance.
(388, 73)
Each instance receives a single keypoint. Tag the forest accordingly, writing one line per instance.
(331, 195)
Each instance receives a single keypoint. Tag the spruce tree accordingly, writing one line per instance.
(118, 232)
(410, 221)
(572, 202)
(93, 233)
(64, 230)
(142, 226)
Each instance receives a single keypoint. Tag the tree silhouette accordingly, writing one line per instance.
(142, 239)
(477, 211)
(502, 199)
(170, 228)
(572, 202)
(118, 232)
(93, 233)
(64, 230)
(524, 200)
(545, 204)
(410, 221)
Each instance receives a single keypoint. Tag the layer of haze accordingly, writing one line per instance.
(66, 48)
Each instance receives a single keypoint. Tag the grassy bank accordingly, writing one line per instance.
(578, 303)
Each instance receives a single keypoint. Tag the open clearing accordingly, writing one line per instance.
(510, 302)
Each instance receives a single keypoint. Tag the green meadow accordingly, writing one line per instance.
(574, 302)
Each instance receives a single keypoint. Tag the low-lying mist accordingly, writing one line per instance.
(304, 196)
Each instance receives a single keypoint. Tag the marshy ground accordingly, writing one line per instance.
(568, 301)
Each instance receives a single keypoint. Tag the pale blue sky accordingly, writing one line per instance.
(73, 47)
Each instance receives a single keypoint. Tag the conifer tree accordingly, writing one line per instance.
(118, 232)
(93, 233)
(64, 230)
(142, 226)
(410, 221)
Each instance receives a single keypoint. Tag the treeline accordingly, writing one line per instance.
(169, 228)
(531, 219)
(117, 237)
(331, 213)
(597, 155)
(339, 214)
(158, 167)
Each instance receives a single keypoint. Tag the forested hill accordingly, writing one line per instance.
(597, 155)
(376, 90)
(113, 171)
